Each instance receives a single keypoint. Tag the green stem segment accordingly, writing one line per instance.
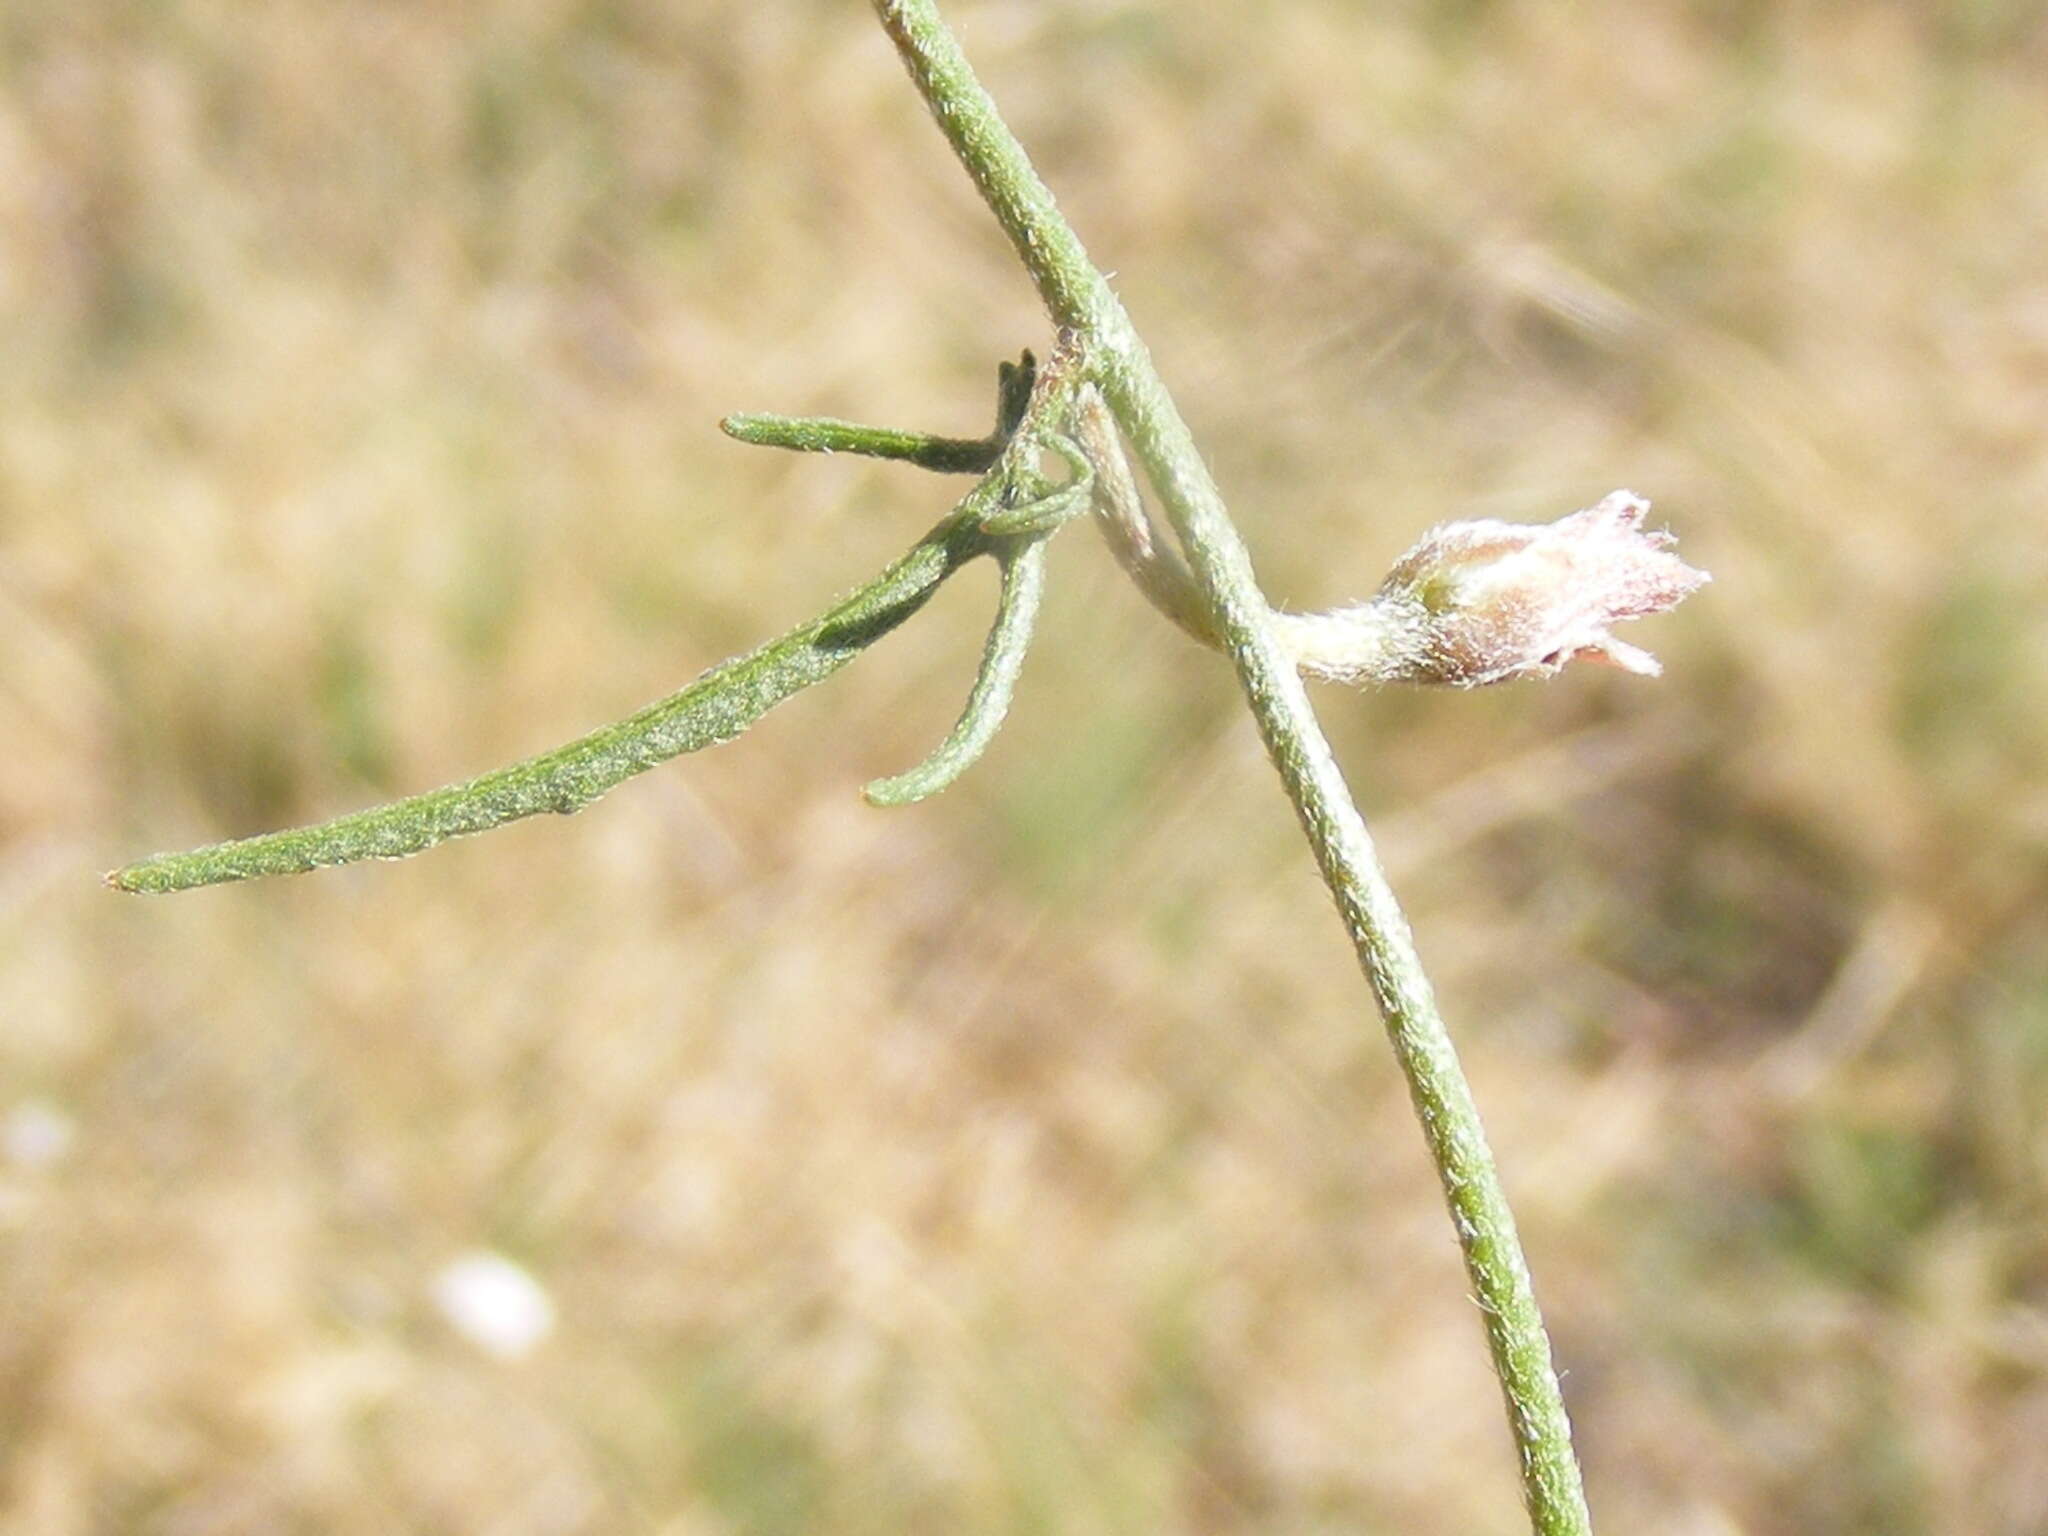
(713, 709)
(1080, 300)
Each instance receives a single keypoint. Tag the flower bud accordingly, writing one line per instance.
(1484, 601)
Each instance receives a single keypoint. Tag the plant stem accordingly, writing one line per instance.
(1080, 300)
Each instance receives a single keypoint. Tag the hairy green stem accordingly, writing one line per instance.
(1080, 300)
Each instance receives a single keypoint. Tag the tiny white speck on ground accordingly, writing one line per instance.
(495, 1304)
(36, 1134)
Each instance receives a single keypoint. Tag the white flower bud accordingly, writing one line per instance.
(1483, 601)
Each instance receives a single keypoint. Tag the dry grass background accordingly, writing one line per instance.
(1029, 1161)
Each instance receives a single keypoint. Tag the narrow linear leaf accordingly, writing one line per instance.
(1001, 660)
(715, 708)
(823, 434)
(1015, 384)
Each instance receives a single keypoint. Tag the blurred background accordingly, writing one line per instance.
(735, 1158)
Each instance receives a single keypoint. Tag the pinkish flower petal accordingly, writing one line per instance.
(1483, 601)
